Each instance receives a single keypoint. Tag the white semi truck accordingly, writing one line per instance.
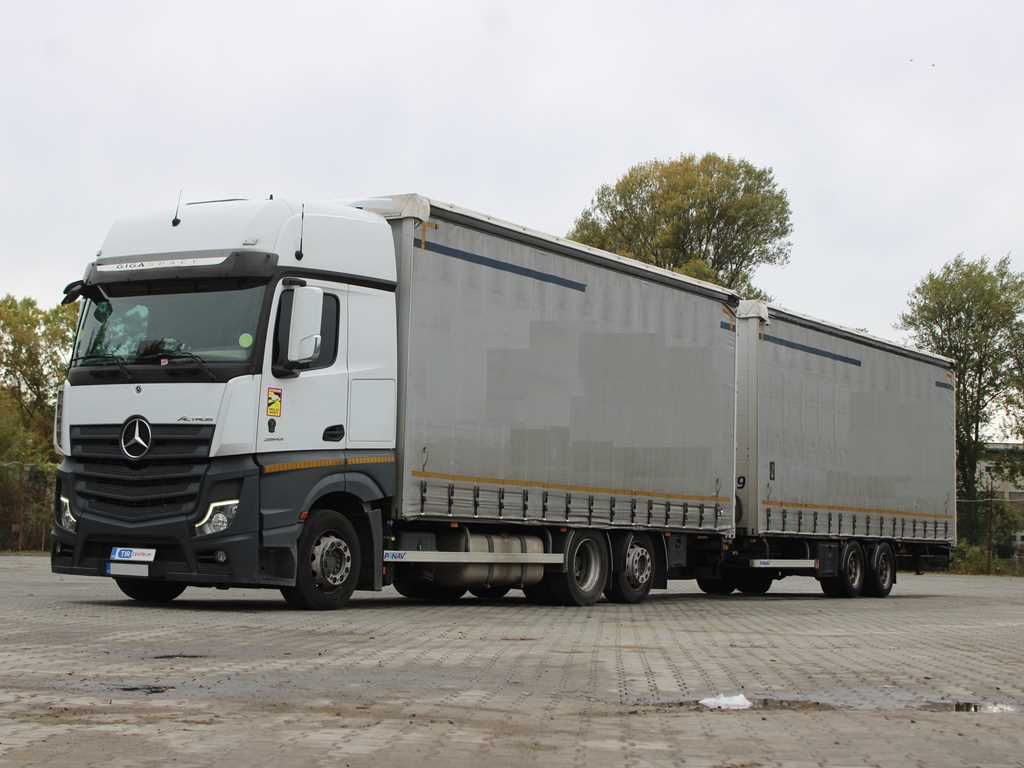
(327, 397)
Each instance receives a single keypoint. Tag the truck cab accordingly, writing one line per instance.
(233, 365)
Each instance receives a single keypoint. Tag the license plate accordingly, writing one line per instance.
(132, 555)
(127, 569)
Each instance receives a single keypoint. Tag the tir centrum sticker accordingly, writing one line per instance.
(274, 397)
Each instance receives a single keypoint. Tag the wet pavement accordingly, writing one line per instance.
(932, 676)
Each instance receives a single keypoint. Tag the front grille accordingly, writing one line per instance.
(164, 483)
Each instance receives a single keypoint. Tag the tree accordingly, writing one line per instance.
(708, 217)
(970, 311)
(34, 348)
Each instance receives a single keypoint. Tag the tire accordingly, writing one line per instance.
(489, 593)
(329, 560)
(722, 586)
(586, 571)
(412, 585)
(881, 575)
(540, 593)
(754, 583)
(633, 580)
(150, 591)
(850, 580)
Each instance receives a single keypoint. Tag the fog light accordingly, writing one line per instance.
(220, 556)
(218, 518)
(67, 520)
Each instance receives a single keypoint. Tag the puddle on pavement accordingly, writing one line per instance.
(969, 706)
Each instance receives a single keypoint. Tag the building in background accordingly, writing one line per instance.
(1007, 488)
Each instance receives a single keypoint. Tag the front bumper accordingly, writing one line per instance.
(181, 555)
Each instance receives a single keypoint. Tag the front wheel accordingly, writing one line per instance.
(634, 577)
(329, 562)
(150, 591)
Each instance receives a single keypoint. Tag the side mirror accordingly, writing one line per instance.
(304, 328)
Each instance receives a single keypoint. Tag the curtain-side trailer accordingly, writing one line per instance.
(845, 456)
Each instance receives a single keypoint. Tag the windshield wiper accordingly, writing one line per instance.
(180, 354)
(106, 358)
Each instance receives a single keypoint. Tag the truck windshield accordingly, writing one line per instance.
(214, 323)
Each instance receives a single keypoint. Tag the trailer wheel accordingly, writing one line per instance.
(489, 593)
(850, 581)
(150, 591)
(633, 580)
(586, 571)
(754, 583)
(882, 573)
(329, 561)
(720, 586)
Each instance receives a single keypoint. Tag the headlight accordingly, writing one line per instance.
(218, 517)
(66, 519)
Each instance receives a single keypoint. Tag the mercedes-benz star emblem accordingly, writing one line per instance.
(136, 437)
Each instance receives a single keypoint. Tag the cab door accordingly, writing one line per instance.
(306, 411)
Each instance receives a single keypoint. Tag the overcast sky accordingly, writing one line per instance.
(896, 128)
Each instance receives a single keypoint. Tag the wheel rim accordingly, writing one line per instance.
(586, 565)
(853, 569)
(638, 565)
(331, 561)
(884, 569)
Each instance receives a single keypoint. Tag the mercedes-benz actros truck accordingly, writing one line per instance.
(320, 398)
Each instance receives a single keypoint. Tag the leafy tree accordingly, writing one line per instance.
(34, 348)
(711, 217)
(970, 311)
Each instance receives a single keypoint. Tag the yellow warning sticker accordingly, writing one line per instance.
(274, 397)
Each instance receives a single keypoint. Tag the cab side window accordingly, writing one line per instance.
(329, 322)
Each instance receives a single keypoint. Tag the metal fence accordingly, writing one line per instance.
(26, 505)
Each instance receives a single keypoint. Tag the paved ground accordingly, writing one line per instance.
(233, 678)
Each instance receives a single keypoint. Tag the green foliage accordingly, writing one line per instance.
(970, 559)
(970, 311)
(34, 348)
(711, 217)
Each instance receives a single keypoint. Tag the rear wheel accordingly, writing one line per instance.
(489, 593)
(882, 573)
(150, 591)
(329, 562)
(754, 583)
(634, 577)
(720, 586)
(849, 582)
(586, 570)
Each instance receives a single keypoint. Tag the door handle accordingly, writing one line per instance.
(334, 433)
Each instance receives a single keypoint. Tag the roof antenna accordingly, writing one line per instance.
(302, 226)
(176, 221)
